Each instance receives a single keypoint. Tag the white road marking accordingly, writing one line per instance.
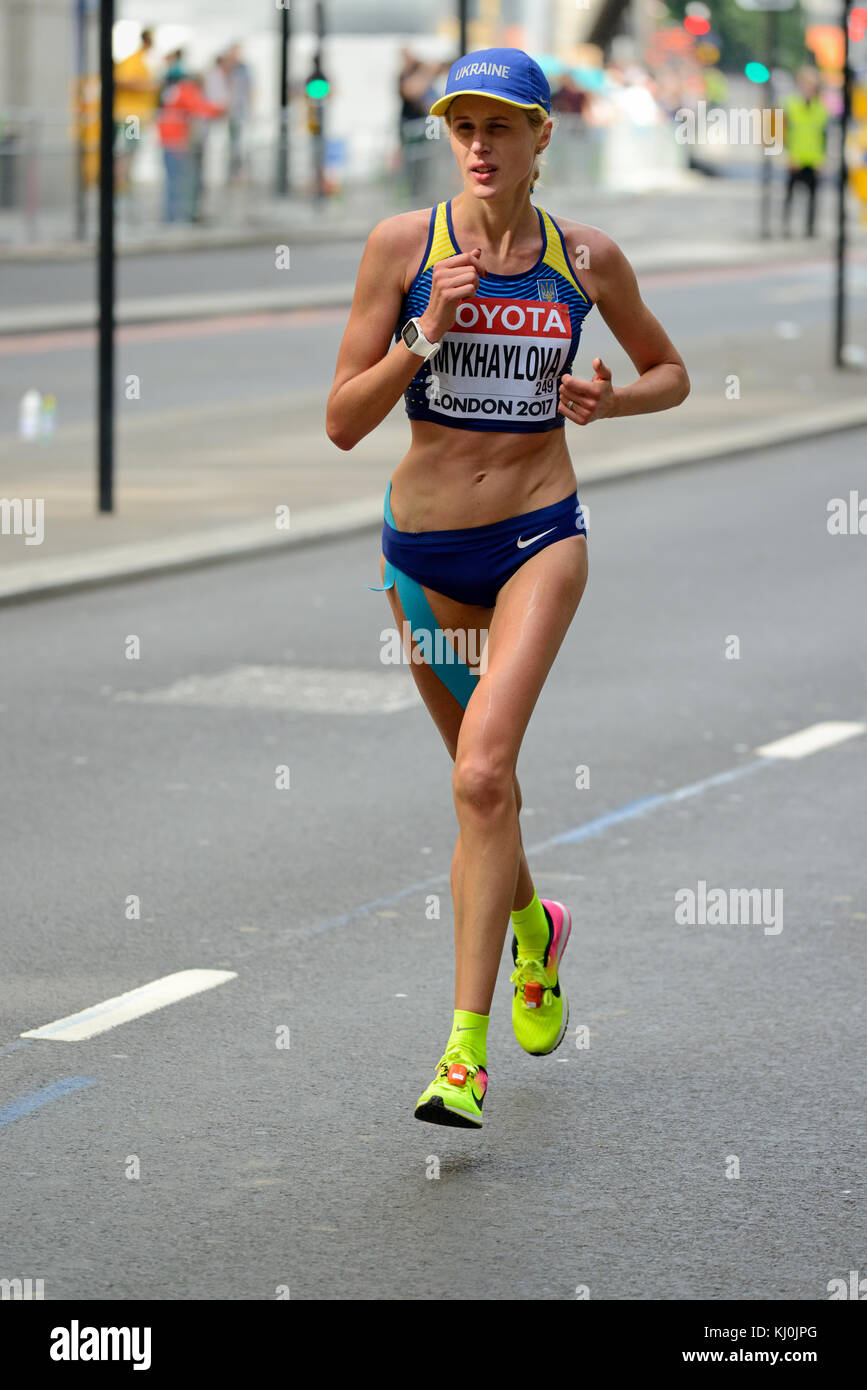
(812, 739)
(298, 688)
(100, 1017)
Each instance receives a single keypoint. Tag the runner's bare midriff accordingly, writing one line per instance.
(451, 479)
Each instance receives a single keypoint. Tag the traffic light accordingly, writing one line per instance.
(317, 86)
(697, 19)
(756, 72)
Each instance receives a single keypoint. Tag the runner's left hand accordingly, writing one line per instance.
(583, 401)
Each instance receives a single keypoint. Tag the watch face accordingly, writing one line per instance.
(411, 334)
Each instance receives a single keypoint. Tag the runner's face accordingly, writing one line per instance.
(494, 144)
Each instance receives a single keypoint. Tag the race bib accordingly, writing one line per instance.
(501, 360)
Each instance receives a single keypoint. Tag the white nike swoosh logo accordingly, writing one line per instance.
(522, 545)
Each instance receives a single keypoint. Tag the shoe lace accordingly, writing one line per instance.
(529, 970)
(455, 1053)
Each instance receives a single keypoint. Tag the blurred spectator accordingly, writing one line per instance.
(805, 139)
(180, 122)
(568, 97)
(216, 81)
(136, 93)
(239, 107)
(217, 90)
(632, 95)
(175, 69)
(417, 95)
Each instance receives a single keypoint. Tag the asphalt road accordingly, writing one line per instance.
(712, 209)
(263, 1166)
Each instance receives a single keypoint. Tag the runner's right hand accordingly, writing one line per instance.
(454, 279)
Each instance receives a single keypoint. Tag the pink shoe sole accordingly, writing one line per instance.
(562, 920)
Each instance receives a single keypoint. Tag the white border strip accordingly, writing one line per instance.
(136, 1002)
(812, 739)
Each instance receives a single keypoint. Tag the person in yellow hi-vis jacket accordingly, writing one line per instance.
(805, 139)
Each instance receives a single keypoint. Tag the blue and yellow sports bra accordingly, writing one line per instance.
(499, 367)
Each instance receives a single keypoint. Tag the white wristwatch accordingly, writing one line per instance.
(416, 341)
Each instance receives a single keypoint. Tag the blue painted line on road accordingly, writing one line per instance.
(13, 1047)
(378, 903)
(36, 1099)
(630, 811)
(649, 803)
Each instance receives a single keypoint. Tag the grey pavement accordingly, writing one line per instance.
(606, 1167)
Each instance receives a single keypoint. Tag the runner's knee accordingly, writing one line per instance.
(482, 784)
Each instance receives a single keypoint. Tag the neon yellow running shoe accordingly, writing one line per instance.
(540, 1009)
(456, 1094)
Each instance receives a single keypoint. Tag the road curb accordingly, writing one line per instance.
(191, 550)
(159, 244)
(246, 540)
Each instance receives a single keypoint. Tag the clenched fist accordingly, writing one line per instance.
(454, 279)
(583, 401)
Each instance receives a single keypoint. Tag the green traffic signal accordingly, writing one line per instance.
(756, 72)
(317, 88)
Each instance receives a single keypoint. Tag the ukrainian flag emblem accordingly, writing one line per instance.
(547, 289)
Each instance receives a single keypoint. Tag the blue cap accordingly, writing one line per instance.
(505, 74)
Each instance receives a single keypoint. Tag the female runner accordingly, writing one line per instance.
(484, 543)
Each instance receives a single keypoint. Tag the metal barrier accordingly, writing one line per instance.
(38, 159)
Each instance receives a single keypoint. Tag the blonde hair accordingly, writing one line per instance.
(537, 118)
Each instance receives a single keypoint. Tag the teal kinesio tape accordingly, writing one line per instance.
(454, 673)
